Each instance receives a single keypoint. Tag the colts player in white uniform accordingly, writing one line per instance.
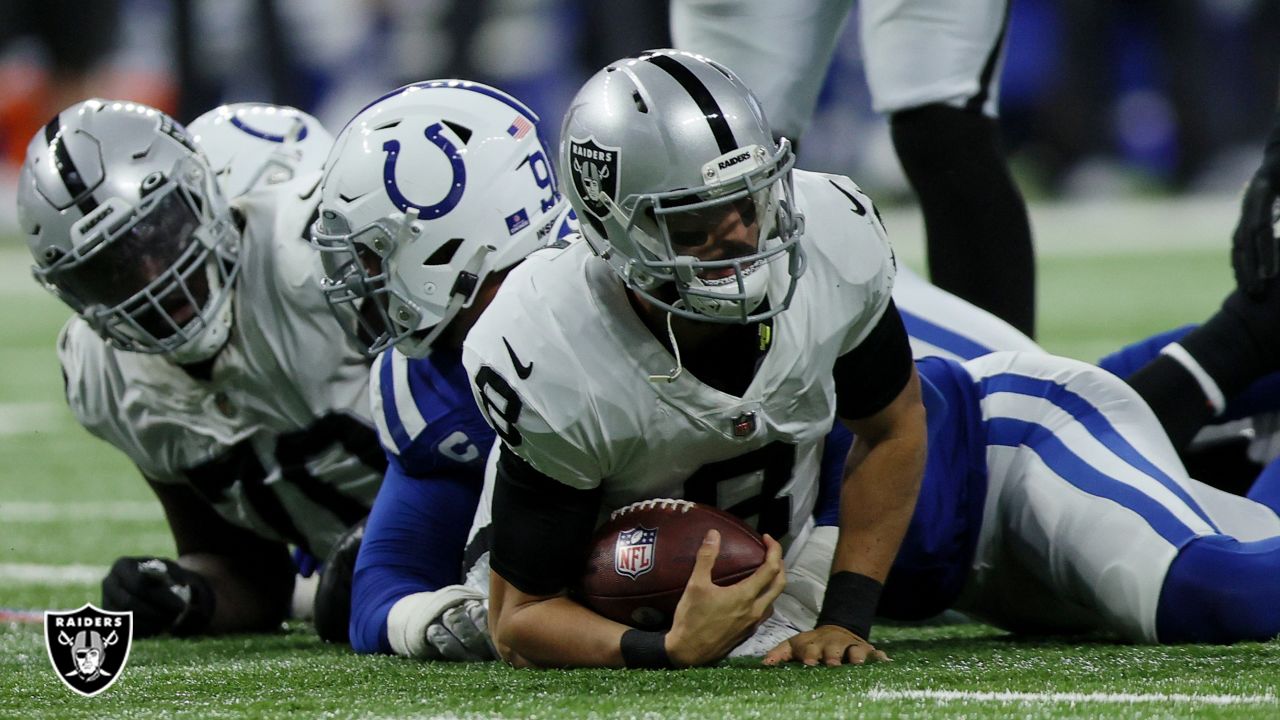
(1051, 500)
(431, 194)
(203, 349)
(933, 69)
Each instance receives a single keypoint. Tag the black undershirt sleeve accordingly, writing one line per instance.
(541, 527)
(872, 374)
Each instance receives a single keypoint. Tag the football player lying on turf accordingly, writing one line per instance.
(416, 543)
(431, 194)
(203, 350)
(1052, 499)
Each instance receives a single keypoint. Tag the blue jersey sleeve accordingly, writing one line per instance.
(436, 442)
(1128, 359)
(413, 543)
(427, 420)
(831, 475)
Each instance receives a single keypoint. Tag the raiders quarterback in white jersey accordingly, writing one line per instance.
(699, 265)
(204, 350)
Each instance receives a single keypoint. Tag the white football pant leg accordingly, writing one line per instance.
(781, 50)
(1087, 503)
(943, 325)
(920, 52)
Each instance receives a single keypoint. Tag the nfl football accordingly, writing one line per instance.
(643, 556)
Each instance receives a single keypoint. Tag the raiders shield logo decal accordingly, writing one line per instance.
(594, 170)
(633, 553)
(88, 647)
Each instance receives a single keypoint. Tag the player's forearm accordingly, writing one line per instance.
(882, 482)
(250, 594)
(557, 632)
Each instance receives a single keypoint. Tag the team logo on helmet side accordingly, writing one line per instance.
(434, 133)
(88, 647)
(633, 553)
(594, 170)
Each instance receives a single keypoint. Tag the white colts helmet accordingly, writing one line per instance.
(128, 227)
(252, 145)
(428, 190)
(657, 149)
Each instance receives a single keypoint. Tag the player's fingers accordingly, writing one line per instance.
(809, 652)
(837, 654)
(763, 605)
(780, 654)
(458, 621)
(863, 652)
(706, 559)
(762, 579)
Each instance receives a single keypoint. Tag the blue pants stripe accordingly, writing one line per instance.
(1095, 422)
(1079, 473)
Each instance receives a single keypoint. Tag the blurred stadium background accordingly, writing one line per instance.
(1099, 98)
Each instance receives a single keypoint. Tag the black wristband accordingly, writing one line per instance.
(647, 650)
(850, 602)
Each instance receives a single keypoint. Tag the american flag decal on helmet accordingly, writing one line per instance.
(519, 127)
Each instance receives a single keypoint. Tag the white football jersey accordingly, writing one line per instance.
(280, 440)
(561, 365)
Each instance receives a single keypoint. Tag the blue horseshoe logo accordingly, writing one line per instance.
(267, 136)
(435, 134)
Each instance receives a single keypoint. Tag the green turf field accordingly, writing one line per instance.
(69, 505)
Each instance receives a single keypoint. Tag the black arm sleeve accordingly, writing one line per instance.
(541, 527)
(872, 374)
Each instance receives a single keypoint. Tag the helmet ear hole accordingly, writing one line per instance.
(151, 183)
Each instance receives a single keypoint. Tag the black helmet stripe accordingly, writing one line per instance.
(76, 189)
(702, 96)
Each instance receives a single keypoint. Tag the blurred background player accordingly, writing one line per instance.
(202, 349)
(254, 145)
(934, 69)
(431, 194)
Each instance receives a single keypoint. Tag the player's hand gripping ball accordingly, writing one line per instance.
(643, 556)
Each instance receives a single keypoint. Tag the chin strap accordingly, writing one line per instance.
(675, 347)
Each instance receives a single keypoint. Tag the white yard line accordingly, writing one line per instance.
(971, 696)
(22, 418)
(22, 511)
(31, 574)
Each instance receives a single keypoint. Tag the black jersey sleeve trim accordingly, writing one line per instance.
(542, 528)
(872, 374)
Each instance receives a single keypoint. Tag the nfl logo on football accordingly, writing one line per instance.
(88, 647)
(633, 554)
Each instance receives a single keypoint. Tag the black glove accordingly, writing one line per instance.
(333, 593)
(1255, 249)
(163, 595)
